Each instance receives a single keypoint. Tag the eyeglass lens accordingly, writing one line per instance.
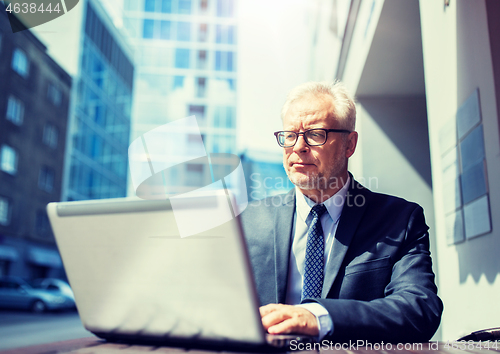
(312, 137)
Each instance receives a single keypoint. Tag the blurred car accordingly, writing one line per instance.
(16, 293)
(55, 286)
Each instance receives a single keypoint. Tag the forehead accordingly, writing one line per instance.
(310, 110)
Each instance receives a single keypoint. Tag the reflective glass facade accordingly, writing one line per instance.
(186, 54)
(101, 122)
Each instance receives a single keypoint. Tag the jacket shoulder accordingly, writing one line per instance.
(381, 200)
(384, 211)
(265, 205)
(259, 216)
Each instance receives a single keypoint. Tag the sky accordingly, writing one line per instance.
(273, 57)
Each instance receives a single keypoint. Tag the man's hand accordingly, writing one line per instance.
(284, 319)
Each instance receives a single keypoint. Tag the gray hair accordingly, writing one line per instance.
(343, 103)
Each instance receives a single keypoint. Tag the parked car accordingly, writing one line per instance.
(16, 293)
(55, 286)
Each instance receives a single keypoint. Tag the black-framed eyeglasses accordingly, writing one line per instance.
(312, 137)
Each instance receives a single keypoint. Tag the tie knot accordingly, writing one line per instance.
(318, 210)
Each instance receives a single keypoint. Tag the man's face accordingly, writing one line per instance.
(316, 167)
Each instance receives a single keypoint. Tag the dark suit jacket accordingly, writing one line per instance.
(380, 285)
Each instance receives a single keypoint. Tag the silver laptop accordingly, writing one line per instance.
(135, 279)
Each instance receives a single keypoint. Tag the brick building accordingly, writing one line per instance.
(34, 103)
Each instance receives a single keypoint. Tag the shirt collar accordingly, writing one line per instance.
(333, 205)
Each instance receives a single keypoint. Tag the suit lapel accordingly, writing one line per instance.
(352, 212)
(282, 243)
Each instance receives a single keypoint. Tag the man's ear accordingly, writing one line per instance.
(352, 141)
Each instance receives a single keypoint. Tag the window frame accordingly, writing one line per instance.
(8, 210)
(225, 61)
(50, 135)
(183, 31)
(20, 62)
(12, 164)
(15, 110)
(182, 58)
(46, 179)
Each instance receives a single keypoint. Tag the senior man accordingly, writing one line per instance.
(331, 258)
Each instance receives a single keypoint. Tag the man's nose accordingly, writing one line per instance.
(301, 145)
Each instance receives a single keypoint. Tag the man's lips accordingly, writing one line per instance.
(302, 164)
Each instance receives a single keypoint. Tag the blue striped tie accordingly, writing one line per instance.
(315, 249)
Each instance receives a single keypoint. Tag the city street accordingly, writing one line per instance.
(20, 329)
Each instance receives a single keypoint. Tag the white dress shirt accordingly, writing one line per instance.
(302, 220)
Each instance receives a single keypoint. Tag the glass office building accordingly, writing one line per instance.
(88, 45)
(100, 127)
(185, 65)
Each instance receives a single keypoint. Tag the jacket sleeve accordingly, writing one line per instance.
(410, 310)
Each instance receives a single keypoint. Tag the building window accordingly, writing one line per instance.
(183, 31)
(218, 34)
(42, 224)
(46, 179)
(54, 95)
(230, 117)
(50, 135)
(96, 146)
(218, 117)
(225, 8)
(197, 111)
(182, 58)
(201, 85)
(148, 29)
(202, 60)
(166, 6)
(149, 5)
(100, 114)
(8, 160)
(15, 110)
(178, 82)
(184, 7)
(4, 211)
(225, 34)
(20, 62)
(165, 30)
(203, 6)
(224, 117)
(224, 61)
(218, 60)
(157, 29)
(231, 34)
(203, 32)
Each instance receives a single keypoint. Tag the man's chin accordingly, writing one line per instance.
(304, 182)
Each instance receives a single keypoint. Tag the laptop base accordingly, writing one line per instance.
(275, 343)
